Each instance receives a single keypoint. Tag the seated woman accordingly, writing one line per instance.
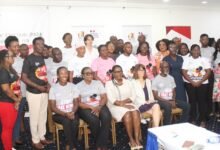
(63, 98)
(121, 95)
(93, 109)
(144, 96)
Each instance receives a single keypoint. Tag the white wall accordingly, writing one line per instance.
(61, 18)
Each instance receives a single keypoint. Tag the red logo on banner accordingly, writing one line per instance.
(183, 30)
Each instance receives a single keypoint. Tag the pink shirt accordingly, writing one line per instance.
(149, 64)
(102, 66)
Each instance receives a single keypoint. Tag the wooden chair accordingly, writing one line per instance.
(83, 129)
(175, 113)
(114, 140)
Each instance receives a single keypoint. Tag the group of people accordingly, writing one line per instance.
(98, 85)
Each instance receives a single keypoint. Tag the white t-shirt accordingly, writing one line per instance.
(127, 62)
(196, 68)
(52, 70)
(90, 93)
(207, 53)
(68, 54)
(18, 63)
(185, 57)
(164, 86)
(64, 96)
(92, 55)
(77, 64)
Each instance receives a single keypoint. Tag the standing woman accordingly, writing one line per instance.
(10, 97)
(63, 98)
(175, 62)
(111, 50)
(216, 90)
(162, 47)
(196, 70)
(183, 50)
(145, 58)
(121, 96)
(93, 109)
(91, 52)
(144, 96)
(68, 50)
(102, 65)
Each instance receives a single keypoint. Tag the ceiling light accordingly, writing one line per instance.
(166, 1)
(204, 2)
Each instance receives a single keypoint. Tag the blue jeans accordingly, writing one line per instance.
(16, 131)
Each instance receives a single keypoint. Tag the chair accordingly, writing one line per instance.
(83, 128)
(175, 113)
(114, 140)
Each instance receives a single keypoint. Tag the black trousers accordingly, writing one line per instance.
(198, 97)
(210, 94)
(167, 107)
(99, 126)
(70, 128)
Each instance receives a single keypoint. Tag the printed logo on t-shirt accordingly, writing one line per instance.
(65, 107)
(92, 100)
(166, 94)
(197, 73)
(41, 73)
(16, 87)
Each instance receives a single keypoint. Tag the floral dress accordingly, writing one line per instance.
(216, 89)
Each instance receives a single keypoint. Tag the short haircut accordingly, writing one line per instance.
(204, 35)
(10, 39)
(85, 68)
(55, 49)
(194, 46)
(60, 68)
(87, 36)
(66, 34)
(37, 39)
(100, 47)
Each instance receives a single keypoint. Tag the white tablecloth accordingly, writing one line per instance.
(172, 137)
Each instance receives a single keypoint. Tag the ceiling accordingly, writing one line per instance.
(159, 2)
(185, 3)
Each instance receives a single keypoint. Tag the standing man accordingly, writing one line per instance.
(207, 52)
(34, 74)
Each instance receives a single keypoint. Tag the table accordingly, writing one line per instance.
(172, 137)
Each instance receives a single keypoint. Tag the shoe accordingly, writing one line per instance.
(203, 124)
(46, 142)
(19, 142)
(38, 146)
(133, 147)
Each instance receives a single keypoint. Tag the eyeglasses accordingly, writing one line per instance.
(88, 73)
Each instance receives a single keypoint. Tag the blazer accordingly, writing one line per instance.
(140, 96)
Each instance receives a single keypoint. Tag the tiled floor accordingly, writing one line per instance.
(122, 138)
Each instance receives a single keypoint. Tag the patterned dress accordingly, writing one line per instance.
(216, 70)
